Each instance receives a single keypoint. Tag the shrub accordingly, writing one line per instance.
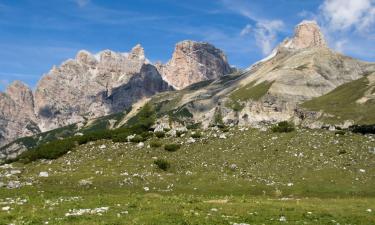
(138, 138)
(196, 135)
(162, 164)
(340, 132)
(194, 126)
(224, 129)
(159, 134)
(172, 147)
(155, 144)
(51, 150)
(283, 127)
(363, 129)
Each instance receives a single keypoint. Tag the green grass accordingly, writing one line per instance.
(341, 103)
(251, 92)
(277, 174)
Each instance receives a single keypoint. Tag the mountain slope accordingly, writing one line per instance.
(354, 101)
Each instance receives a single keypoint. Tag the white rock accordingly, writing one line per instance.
(102, 146)
(282, 219)
(191, 140)
(5, 208)
(141, 145)
(222, 136)
(43, 174)
(146, 188)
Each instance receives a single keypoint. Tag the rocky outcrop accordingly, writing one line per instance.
(193, 62)
(17, 118)
(307, 34)
(93, 86)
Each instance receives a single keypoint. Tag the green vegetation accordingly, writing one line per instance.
(218, 118)
(341, 104)
(196, 135)
(304, 177)
(139, 126)
(155, 143)
(235, 105)
(162, 164)
(251, 92)
(159, 134)
(172, 147)
(283, 127)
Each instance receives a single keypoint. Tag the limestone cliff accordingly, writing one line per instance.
(193, 62)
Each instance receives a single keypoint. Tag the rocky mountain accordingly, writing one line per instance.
(91, 86)
(17, 118)
(193, 62)
(300, 69)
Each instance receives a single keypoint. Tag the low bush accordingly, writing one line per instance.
(340, 132)
(138, 138)
(283, 127)
(159, 134)
(51, 150)
(172, 147)
(162, 164)
(156, 143)
(194, 126)
(196, 135)
(363, 129)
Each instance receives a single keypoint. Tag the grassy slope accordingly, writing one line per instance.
(251, 92)
(326, 183)
(341, 103)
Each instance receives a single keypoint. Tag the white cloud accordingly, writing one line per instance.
(265, 30)
(341, 15)
(82, 3)
(266, 34)
(246, 30)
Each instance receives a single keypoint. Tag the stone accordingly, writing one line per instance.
(307, 34)
(141, 145)
(43, 174)
(193, 62)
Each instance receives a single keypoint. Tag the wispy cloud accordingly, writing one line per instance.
(82, 3)
(265, 30)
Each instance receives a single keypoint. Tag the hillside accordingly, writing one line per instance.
(243, 176)
(354, 101)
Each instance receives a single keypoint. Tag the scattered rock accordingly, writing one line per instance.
(43, 174)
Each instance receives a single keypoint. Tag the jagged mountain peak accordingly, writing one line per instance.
(307, 34)
(193, 62)
(85, 57)
(137, 52)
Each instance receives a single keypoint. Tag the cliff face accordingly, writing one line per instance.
(17, 118)
(193, 62)
(88, 87)
(306, 35)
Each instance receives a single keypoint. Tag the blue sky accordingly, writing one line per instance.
(37, 34)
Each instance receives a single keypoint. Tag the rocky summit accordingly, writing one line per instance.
(91, 86)
(193, 62)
